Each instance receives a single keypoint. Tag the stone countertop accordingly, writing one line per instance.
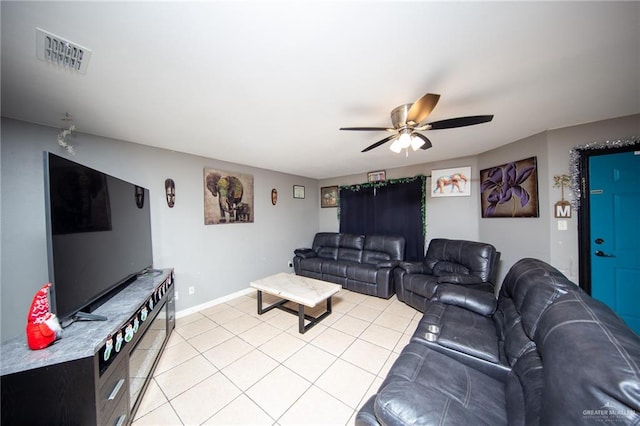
(82, 339)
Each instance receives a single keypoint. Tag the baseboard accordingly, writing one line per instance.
(197, 308)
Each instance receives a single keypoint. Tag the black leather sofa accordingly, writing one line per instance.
(359, 263)
(469, 263)
(544, 353)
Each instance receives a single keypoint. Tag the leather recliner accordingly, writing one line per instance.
(561, 358)
(468, 263)
(357, 262)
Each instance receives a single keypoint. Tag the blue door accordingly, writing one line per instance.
(614, 182)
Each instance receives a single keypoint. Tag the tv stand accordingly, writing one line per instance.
(84, 316)
(98, 371)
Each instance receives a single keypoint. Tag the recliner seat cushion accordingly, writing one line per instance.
(461, 330)
(425, 387)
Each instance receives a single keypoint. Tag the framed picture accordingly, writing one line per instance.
(228, 197)
(298, 191)
(510, 190)
(454, 182)
(376, 176)
(329, 196)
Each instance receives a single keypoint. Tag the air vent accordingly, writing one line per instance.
(54, 49)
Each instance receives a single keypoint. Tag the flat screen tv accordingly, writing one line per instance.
(98, 235)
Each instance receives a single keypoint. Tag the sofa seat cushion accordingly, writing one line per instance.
(336, 267)
(362, 272)
(414, 392)
(460, 330)
(422, 285)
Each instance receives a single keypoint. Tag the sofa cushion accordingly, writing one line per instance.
(447, 268)
(336, 267)
(326, 244)
(477, 257)
(362, 272)
(427, 387)
(460, 330)
(524, 390)
(533, 285)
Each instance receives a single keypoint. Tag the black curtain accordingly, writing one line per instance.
(393, 207)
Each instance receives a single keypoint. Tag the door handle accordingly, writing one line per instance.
(600, 253)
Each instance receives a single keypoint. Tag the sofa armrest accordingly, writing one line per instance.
(305, 253)
(414, 267)
(460, 279)
(478, 301)
(387, 264)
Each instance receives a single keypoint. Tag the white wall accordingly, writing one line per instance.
(216, 259)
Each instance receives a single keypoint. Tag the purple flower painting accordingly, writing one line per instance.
(510, 190)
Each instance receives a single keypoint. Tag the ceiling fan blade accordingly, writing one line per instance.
(422, 108)
(380, 142)
(366, 129)
(427, 142)
(460, 122)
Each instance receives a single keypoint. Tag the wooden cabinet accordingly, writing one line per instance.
(94, 385)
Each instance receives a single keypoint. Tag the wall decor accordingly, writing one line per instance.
(454, 182)
(562, 209)
(228, 197)
(329, 196)
(510, 190)
(298, 191)
(170, 192)
(274, 196)
(376, 176)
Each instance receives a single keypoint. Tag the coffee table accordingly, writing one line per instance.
(304, 291)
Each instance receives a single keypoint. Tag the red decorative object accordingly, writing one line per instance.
(43, 327)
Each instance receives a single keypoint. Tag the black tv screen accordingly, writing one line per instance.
(99, 234)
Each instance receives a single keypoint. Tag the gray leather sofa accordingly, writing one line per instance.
(357, 262)
(468, 263)
(544, 353)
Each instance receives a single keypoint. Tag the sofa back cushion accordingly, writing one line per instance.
(523, 390)
(326, 244)
(351, 247)
(477, 258)
(378, 248)
(533, 285)
(591, 361)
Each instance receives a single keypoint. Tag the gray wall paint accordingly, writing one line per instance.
(221, 259)
(460, 217)
(217, 260)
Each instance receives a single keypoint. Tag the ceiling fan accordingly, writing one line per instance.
(407, 123)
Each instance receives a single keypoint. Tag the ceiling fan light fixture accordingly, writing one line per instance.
(396, 146)
(402, 142)
(416, 143)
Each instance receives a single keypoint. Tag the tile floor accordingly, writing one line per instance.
(227, 365)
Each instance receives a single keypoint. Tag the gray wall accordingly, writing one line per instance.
(217, 260)
(460, 217)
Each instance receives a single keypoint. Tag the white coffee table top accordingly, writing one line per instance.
(298, 289)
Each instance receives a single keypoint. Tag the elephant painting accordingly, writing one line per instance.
(234, 195)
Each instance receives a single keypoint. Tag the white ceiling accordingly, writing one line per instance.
(268, 84)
